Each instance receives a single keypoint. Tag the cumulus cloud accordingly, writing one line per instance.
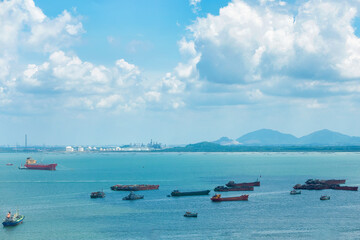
(271, 50)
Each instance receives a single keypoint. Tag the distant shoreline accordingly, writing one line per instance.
(206, 148)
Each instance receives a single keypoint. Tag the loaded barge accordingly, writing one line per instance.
(232, 184)
(135, 187)
(226, 189)
(218, 198)
(316, 184)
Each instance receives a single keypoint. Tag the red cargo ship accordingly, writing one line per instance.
(136, 187)
(218, 198)
(249, 184)
(226, 189)
(31, 164)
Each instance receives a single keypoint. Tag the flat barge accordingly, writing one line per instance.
(135, 187)
(227, 189)
(316, 184)
(244, 184)
(177, 193)
(218, 198)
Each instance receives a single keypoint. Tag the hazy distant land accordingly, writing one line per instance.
(264, 140)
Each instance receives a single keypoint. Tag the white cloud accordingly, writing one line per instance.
(195, 5)
(270, 49)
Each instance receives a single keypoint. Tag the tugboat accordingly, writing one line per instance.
(99, 194)
(294, 192)
(325, 197)
(190, 214)
(32, 164)
(133, 196)
(218, 198)
(13, 220)
(177, 193)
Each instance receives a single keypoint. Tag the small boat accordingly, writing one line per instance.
(294, 192)
(99, 194)
(9, 164)
(248, 184)
(218, 198)
(325, 197)
(190, 214)
(133, 196)
(13, 220)
(177, 193)
(227, 189)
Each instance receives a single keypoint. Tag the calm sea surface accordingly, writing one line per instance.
(57, 203)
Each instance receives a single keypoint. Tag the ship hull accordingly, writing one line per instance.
(241, 198)
(316, 184)
(134, 187)
(51, 167)
(13, 223)
(179, 194)
(249, 184)
(347, 188)
(225, 189)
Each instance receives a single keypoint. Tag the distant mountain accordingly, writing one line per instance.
(267, 137)
(327, 137)
(225, 141)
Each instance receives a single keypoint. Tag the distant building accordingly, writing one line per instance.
(69, 149)
(80, 149)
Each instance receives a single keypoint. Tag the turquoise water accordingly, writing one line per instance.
(57, 203)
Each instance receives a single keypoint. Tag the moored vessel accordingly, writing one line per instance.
(177, 193)
(244, 184)
(348, 188)
(32, 164)
(13, 220)
(133, 196)
(135, 187)
(227, 189)
(218, 198)
(190, 214)
(294, 192)
(325, 197)
(99, 194)
(316, 184)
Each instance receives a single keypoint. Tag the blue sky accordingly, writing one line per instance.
(180, 71)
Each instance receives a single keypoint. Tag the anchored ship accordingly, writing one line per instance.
(226, 189)
(218, 198)
(32, 164)
(245, 184)
(136, 187)
(99, 194)
(316, 184)
(133, 196)
(177, 193)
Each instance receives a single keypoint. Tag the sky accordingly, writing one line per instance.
(92, 72)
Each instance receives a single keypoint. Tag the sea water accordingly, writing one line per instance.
(57, 204)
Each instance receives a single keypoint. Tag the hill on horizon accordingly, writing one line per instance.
(269, 137)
